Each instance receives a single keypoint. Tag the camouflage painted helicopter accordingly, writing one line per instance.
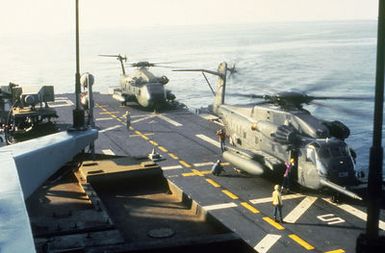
(265, 135)
(141, 85)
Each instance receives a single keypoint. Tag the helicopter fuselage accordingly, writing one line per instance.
(268, 131)
(143, 87)
(268, 134)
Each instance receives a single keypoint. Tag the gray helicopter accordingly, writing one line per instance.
(141, 85)
(266, 134)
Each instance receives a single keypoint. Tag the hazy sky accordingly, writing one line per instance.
(50, 15)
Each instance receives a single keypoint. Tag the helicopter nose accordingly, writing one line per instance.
(341, 171)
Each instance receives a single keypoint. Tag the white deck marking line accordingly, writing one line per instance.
(197, 165)
(102, 119)
(266, 243)
(61, 98)
(141, 119)
(268, 199)
(203, 164)
(300, 209)
(139, 116)
(110, 128)
(209, 140)
(108, 152)
(220, 206)
(355, 212)
(175, 167)
(218, 123)
(172, 122)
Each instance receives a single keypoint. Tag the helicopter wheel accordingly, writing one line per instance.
(336, 198)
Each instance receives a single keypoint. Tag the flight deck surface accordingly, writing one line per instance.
(242, 203)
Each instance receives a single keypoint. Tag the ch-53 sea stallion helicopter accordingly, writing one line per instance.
(265, 135)
(141, 85)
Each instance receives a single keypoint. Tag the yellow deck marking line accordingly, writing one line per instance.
(117, 118)
(273, 223)
(145, 137)
(163, 149)
(249, 207)
(185, 164)
(336, 251)
(213, 183)
(197, 172)
(230, 194)
(301, 242)
(188, 174)
(137, 135)
(153, 142)
(107, 112)
(173, 156)
(201, 173)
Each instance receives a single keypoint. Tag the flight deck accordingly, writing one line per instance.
(242, 203)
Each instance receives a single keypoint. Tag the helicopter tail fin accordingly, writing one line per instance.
(221, 86)
(219, 93)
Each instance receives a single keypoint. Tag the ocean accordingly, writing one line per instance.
(321, 58)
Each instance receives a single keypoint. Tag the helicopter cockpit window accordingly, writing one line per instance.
(310, 155)
(324, 152)
(338, 151)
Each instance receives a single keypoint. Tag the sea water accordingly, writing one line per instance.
(321, 58)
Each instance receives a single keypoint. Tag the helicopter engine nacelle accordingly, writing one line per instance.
(338, 129)
(285, 135)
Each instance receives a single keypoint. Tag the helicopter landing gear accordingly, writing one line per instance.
(336, 198)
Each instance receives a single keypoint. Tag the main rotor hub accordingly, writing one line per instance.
(289, 99)
(143, 64)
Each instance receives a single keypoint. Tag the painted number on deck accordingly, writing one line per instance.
(330, 219)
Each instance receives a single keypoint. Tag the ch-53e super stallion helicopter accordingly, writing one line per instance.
(141, 85)
(267, 134)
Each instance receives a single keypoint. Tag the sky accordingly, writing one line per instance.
(19, 16)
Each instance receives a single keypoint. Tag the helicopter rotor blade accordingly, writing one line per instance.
(118, 56)
(246, 95)
(342, 110)
(167, 62)
(348, 98)
(109, 55)
(254, 104)
(165, 66)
